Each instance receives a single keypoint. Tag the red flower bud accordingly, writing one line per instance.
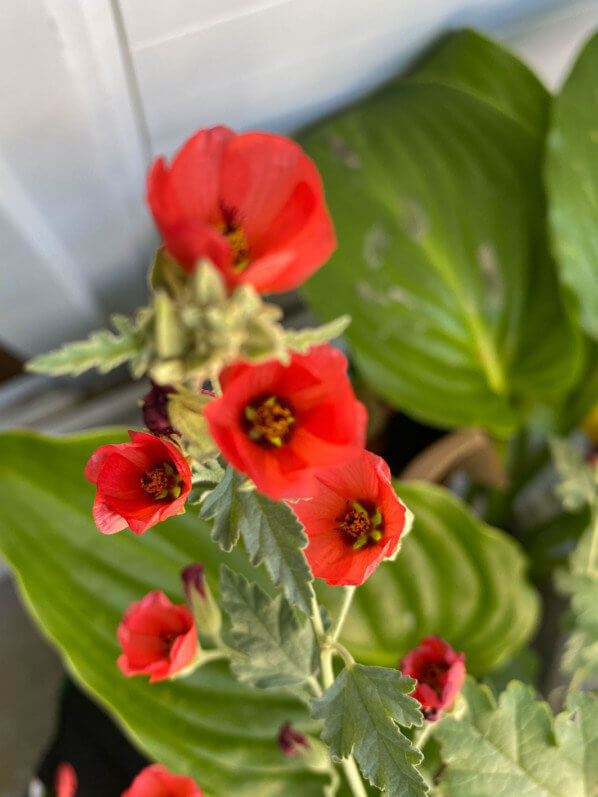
(354, 520)
(439, 671)
(157, 781)
(291, 742)
(158, 638)
(201, 602)
(194, 580)
(65, 781)
(277, 423)
(253, 204)
(138, 483)
(155, 410)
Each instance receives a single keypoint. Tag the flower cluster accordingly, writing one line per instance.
(242, 215)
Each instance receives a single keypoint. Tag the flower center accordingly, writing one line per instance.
(269, 421)
(161, 481)
(234, 234)
(360, 525)
(432, 675)
(168, 638)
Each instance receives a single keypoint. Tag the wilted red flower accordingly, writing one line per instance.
(252, 203)
(291, 741)
(439, 672)
(139, 483)
(155, 410)
(353, 521)
(157, 781)
(65, 781)
(276, 423)
(158, 638)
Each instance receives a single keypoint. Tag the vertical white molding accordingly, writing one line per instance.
(96, 52)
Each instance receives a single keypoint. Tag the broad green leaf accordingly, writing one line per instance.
(223, 506)
(435, 188)
(455, 577)
(362, 712)
(272, 535)
(78, 582)
(467, 61)
(103, 350)
(302, 339)
(513, 747)
(272, 647)
(572, 183)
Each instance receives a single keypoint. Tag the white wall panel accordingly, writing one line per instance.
(71, 146)
(279, 64)
(89, 89)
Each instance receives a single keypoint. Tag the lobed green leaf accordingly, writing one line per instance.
(362, 712)
(272, 648)
(513, 747)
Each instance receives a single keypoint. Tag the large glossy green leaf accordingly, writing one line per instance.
(434, 186)
(77, 583)
(454, 576)
(572, 183)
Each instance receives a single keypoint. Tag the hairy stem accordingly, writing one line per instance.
(327, 674)
(344, 610)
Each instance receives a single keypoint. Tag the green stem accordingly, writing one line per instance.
(344, 610)
(424, 734)
(353, 776)
(349, 766)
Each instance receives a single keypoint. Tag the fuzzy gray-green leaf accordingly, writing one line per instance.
(224, 506)
(272, 648)
(271, 533)
(103, 350)
(362, 712)
(302, 339)
(273, 536)
(508, 748)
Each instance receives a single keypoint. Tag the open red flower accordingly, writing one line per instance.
(139, 483)
(65, 781)
(157, 781)
(158, 638)
(439, 671)
(252, 203)
(277, 423)
(354, 520)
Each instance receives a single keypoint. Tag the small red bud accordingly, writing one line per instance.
(194, 577)
(290, 741)
(201, 602)
(155, 410)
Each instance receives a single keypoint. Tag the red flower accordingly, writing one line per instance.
(157, 637)
(353, 521)
(276, 423)
(139, 483)
(439, 672)
(252, 203)
(65, 781)
(157, 781)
